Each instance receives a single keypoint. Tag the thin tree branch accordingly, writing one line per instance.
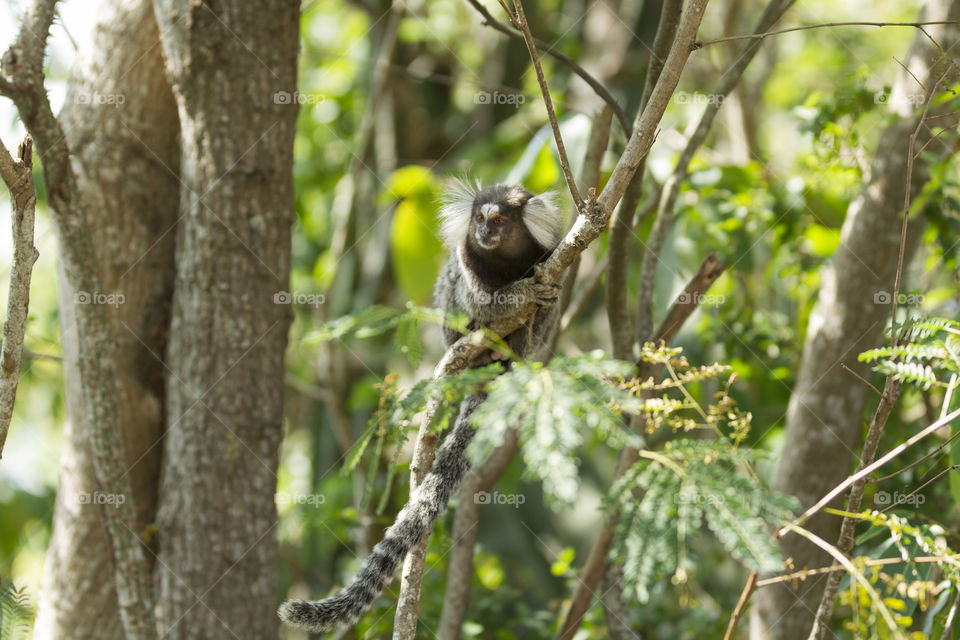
(951, 618)
(867, 562)
(689, 299)
(891, 392)
(581, 299)
(921, 487)
(866, 471)
(918, 461)
(595, 84)
(766, 34)
(854, 575)
(625, 218)
(521, 22)
(589, 179)
(513, 19)
(748, 590)
(18, 176)
(596, 148)
(460, 567)
(616, 610)
(619, 318)
(645, 128)
(861, 379)
(906, 200)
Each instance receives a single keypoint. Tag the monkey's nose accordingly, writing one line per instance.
(488, 242)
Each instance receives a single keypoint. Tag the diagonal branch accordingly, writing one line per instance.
(592, 220)
(521, 21)
(855, 574)
(21, 80)
(584, 75)
(870, 468)
(626, 218)
(668, 198)
(18, 176)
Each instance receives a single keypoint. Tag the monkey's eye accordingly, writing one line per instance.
(498, 220)
(479, 217)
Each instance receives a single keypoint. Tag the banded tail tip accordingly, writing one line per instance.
(300, 613)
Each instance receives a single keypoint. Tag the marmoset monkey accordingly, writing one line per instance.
(496, 237)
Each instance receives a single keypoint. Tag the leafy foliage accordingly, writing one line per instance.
(662, 500)
(551, 405)
(908, 538)
(923, 578)
(15, 614)
(666, 496)
(927, 349)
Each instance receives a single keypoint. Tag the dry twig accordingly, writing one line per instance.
(18, 176)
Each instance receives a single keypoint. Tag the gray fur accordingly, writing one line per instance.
(457, 288)
(415, 520)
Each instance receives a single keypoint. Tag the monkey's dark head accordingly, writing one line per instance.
(501, 218)
(502, 230)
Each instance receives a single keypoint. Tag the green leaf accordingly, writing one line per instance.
(408, 340)
(664, 497)
(550, 405)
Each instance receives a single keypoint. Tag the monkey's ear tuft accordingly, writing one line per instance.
(456, 210)
(543, 221)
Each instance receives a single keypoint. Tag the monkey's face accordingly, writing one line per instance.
(488, 226)
(504, 225)
(498, 227)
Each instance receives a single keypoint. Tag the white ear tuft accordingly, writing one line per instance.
(456, 210)
(543, 221)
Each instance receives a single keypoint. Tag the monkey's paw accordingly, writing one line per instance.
(545, 293)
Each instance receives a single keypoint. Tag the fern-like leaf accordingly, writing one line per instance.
(551, 405)
(692, 481)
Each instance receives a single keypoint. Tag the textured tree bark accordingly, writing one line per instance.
(233, 69)
(17, 174)
(825, 415)
(120, 147)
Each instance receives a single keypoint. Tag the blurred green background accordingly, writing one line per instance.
(771, 207)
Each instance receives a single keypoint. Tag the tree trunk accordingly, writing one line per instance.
(233, 69)
(120, 122)
(825, 415)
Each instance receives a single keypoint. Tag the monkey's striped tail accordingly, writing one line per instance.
(414, 521)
